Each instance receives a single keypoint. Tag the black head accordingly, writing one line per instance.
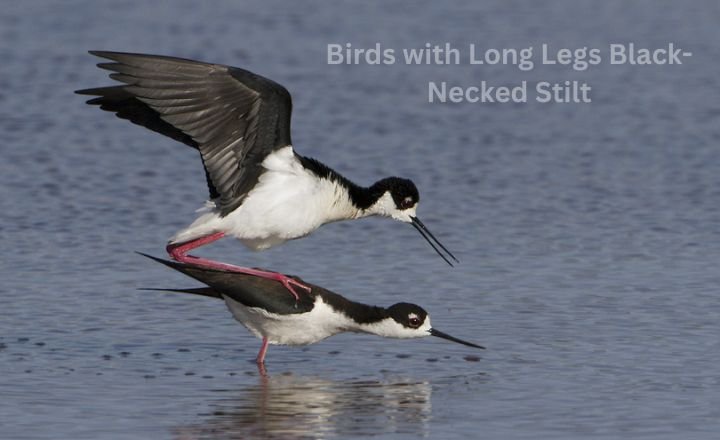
(404, 193)
(398, 198)
(412, 321)
(408, 315)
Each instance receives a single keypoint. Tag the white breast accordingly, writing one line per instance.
(288, 202)
(296, 329)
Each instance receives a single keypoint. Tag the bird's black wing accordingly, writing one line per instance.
(234, 117)
(248, 290)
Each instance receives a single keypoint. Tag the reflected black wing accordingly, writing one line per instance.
(233, 117)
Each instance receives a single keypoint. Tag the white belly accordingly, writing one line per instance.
(288, 202)
(298, 329)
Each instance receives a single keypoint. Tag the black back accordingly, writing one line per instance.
(248, 290)
(253, 291)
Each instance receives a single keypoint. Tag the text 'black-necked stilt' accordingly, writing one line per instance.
(261, 191)
(265, 308)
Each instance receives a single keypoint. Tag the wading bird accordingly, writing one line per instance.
(265, 308)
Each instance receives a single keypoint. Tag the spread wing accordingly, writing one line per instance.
(235, 118)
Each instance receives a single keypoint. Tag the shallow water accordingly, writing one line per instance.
(588, 233)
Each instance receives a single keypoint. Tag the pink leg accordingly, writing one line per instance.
(261, 354)
(179, 252)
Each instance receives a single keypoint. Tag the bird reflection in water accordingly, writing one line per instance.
(292, 407)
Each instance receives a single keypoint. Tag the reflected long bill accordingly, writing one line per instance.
(440, 334)
(430, 238)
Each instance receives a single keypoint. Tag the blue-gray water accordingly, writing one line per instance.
(589, 233)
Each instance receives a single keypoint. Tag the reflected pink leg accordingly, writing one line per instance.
(179, 252)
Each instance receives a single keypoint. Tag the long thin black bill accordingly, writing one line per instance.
(430, 238)
(440, 334)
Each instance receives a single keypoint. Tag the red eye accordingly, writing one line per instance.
(406, 203)
(415, 322)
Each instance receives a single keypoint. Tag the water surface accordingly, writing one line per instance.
(588, 234)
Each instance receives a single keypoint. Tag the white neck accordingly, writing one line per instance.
(383, 206)
(340, 206)
(389, 328)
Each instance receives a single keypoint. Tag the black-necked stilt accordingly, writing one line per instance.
(261, 191)
(265, 308)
